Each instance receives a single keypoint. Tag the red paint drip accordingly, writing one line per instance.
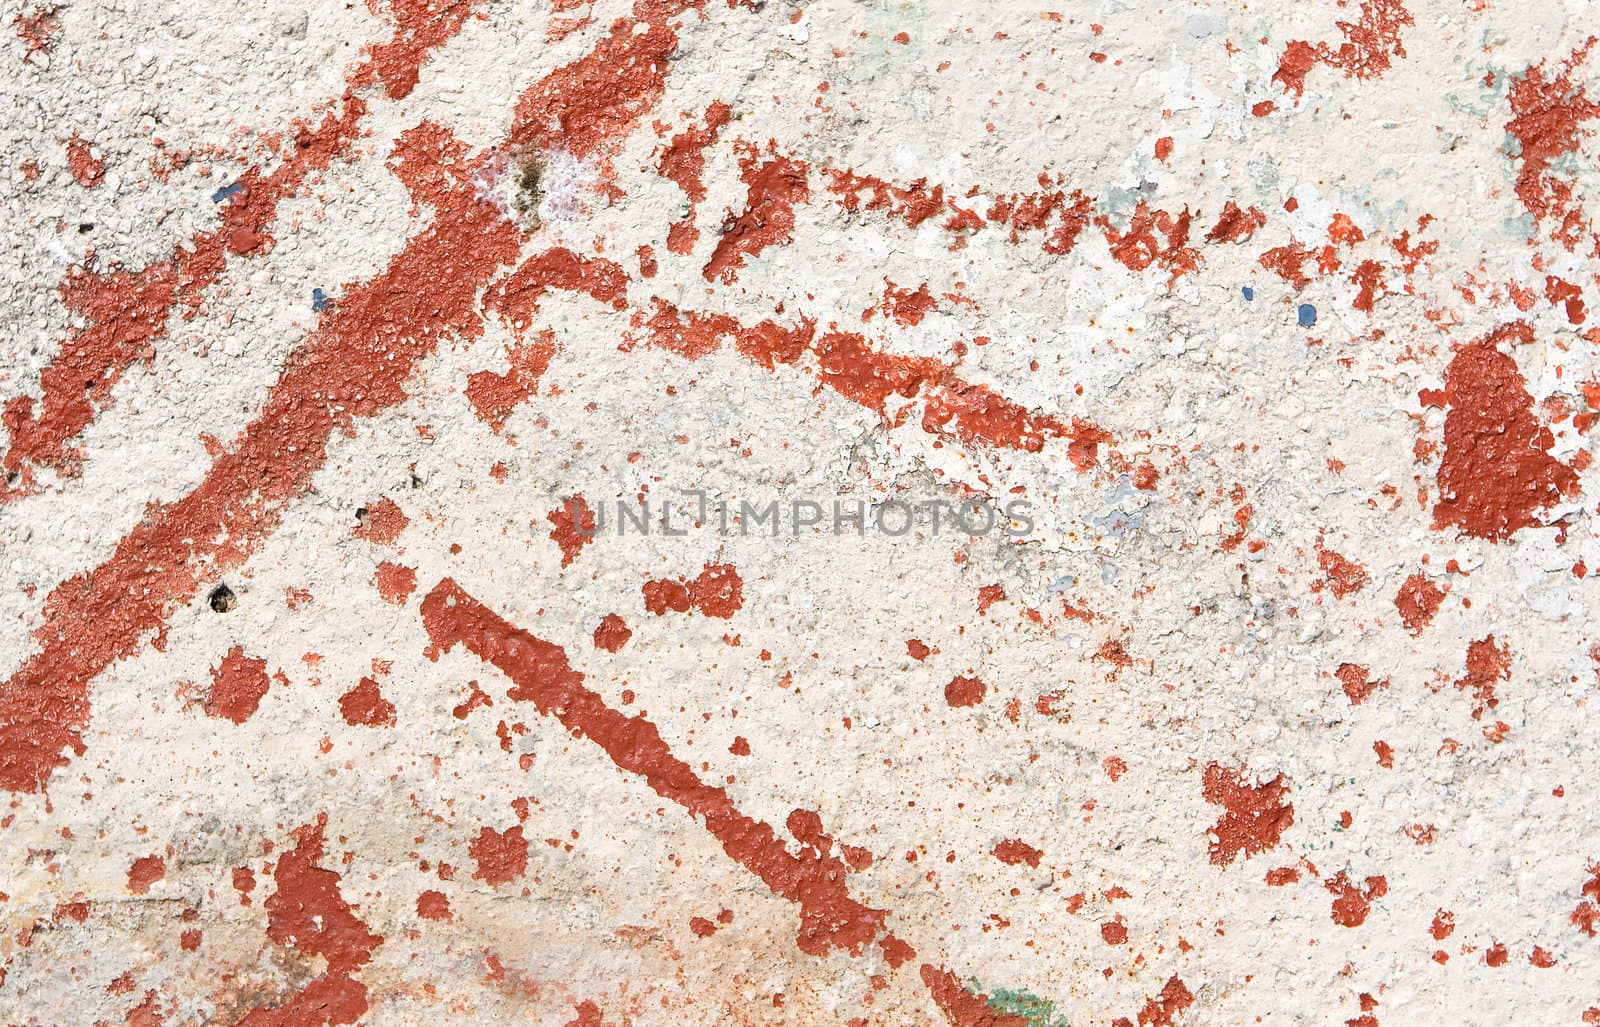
(1255, 816)
(815, 881)
(1497, 471)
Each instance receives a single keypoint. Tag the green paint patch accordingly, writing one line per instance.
(1037, 1011)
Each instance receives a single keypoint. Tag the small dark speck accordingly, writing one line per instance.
(222, 599)
(85, 228)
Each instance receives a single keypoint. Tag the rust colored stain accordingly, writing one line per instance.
(814, 880)
(238, 685)
(365, 706)
(1497, 471)
(1418, 601)
(502, 856)
(1255, 817)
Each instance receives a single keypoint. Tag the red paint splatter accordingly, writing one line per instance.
(1234, 224)
(1164, 1008)
(383, 523)
(88, 169)
(566, 532)
(1497, 471)
(1546, 116)
(365, 706)
(1343, 576)
(238, 684)
(917, 650)
(1370, 45)
(1358, 682)
(1418, 600)
(308, 913)
(964, 691)
(395, 582)
(1487, 663)
(494, 397)
(37, 29)
(502, 856)
(145, 871)
(1351, 904)
(717, 591)
(988, 595)
(421, 26)
(1138, 247)
(960, 1006)
(612, 634)
(1255, 817)
(772, 188)
(1586, 916)
(433, 905)
(354, 366)
(1012, 851)
(814, 880)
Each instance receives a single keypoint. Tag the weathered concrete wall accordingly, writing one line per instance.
(1212, 644)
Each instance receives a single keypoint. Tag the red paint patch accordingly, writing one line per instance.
(1256, 814)
(383, 523)
(238, 684)
(917, 650)
(1418, 600)
(612, 634)
(1487, 663)
(433, 905)
(1012, 851)
(962, 691)
(1497, 470)
(365, 706)
(88, 169)
(1586, 917)
(1343, 576)
(145, 871)
(1350, 904)
(516, 297)
(1358, 682)
(773, 187)
(1546, 116)
(494, 397)
(1234, 224)
(502, 856)
(1370, 45)
(718, 591)
(959, 1006)
(572, 535)
(395, 582)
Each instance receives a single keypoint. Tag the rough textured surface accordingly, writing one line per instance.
(1244, 673)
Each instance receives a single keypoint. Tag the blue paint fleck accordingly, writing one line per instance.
(1249, 293)
(319, 302)
(229, 190)
(1308, 315)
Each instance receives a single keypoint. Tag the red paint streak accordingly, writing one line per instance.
(597, 100)
(355, 365)
(502, 856)
(612, 634)
(912, 204)
(1255, 817)
(1497, 470)
(365, 706)
(960, 1006)
(1418, 600)
(1235, 225)
(433, 905)
(308, 913)
(772, 188)
(963, 691)
(1351, 904)
(494, 397)
(814, 880)
(1487, 663)
(395, 582)
(717, 591)
(1138, 247)
(1546, 116)
(1030, 212)
(1367, 52)
(517, 296)
(565, 532)
(1012, 851)
(1343, 576)
(145, 871)
(1358, 683)
(238, 685)
(383, 523)
(88, 169)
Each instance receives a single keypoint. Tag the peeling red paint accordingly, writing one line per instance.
(365, 706)
(569, 535)
(238, 685)
(717, 591)
(1255, 817)
(959, 1006)
(1012, 851)
(964, 691)
(773, 187)
(1351, 904)
(1488, 662)
(502, 856)
(1371, 43)
(1418, 601)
